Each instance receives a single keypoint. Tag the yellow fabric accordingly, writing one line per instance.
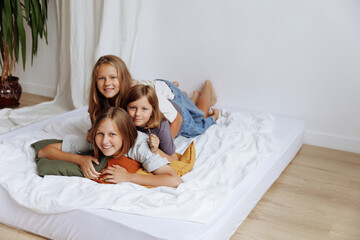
(183, 165)
(186, 161)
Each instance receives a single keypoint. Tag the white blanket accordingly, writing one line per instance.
(11, 119)
(226, 153)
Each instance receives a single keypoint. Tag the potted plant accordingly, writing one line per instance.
(14, 15)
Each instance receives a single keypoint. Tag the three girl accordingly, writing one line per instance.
(111, 82)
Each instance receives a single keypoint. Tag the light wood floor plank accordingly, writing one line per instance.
(28, 99)
(9, 233)
(316, 197)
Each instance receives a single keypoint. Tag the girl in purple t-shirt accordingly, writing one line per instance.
(143, 107)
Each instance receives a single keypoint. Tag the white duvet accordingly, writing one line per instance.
(225, 154)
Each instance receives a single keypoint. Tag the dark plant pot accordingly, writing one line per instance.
(10, 92)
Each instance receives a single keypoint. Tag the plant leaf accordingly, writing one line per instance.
(13, 13)
(7, 24)
(22, 35)
(27, 11)
(44, 17)
(34, 31)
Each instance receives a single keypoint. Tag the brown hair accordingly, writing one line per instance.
(97, 102)
(123, 122)
(139, 91)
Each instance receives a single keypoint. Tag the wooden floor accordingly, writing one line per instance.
(317, 197)
(28, 99)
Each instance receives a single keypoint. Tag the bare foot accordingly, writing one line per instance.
(195, 96)
(213, 96)
(215, 114)
(176, 83)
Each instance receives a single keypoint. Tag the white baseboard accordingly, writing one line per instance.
(343, 143)
(38, 89)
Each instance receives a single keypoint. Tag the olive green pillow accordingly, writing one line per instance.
(46, 166)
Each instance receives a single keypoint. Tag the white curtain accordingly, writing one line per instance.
(88, 29)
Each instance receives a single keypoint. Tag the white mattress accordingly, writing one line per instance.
(107, 224)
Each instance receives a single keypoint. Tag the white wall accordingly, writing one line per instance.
(41, 78)
(289, 57)
(294, 58)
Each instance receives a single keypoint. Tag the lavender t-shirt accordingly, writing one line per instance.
(164, 134)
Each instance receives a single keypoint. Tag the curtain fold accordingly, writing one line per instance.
(95, 28)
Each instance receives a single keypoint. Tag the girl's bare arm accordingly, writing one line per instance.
(175, 125)
(53, 152)
(163, 176)
(168, 157)
(154, 143)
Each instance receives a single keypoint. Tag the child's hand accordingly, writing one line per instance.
(154, 142)
(115, 174)
(87, 167)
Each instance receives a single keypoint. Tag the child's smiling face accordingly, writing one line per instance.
(140, 111)
(107, 80)
(108, 138)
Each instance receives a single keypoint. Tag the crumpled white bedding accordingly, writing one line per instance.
(225, 154)
(11, 119)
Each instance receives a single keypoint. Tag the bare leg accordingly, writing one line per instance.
(215, 114)
(213, 93)
(207, 98)
(195, 97)
(177, 84)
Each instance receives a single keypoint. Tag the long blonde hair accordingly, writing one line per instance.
(97, 101)
(140, 90)
(123, 122)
